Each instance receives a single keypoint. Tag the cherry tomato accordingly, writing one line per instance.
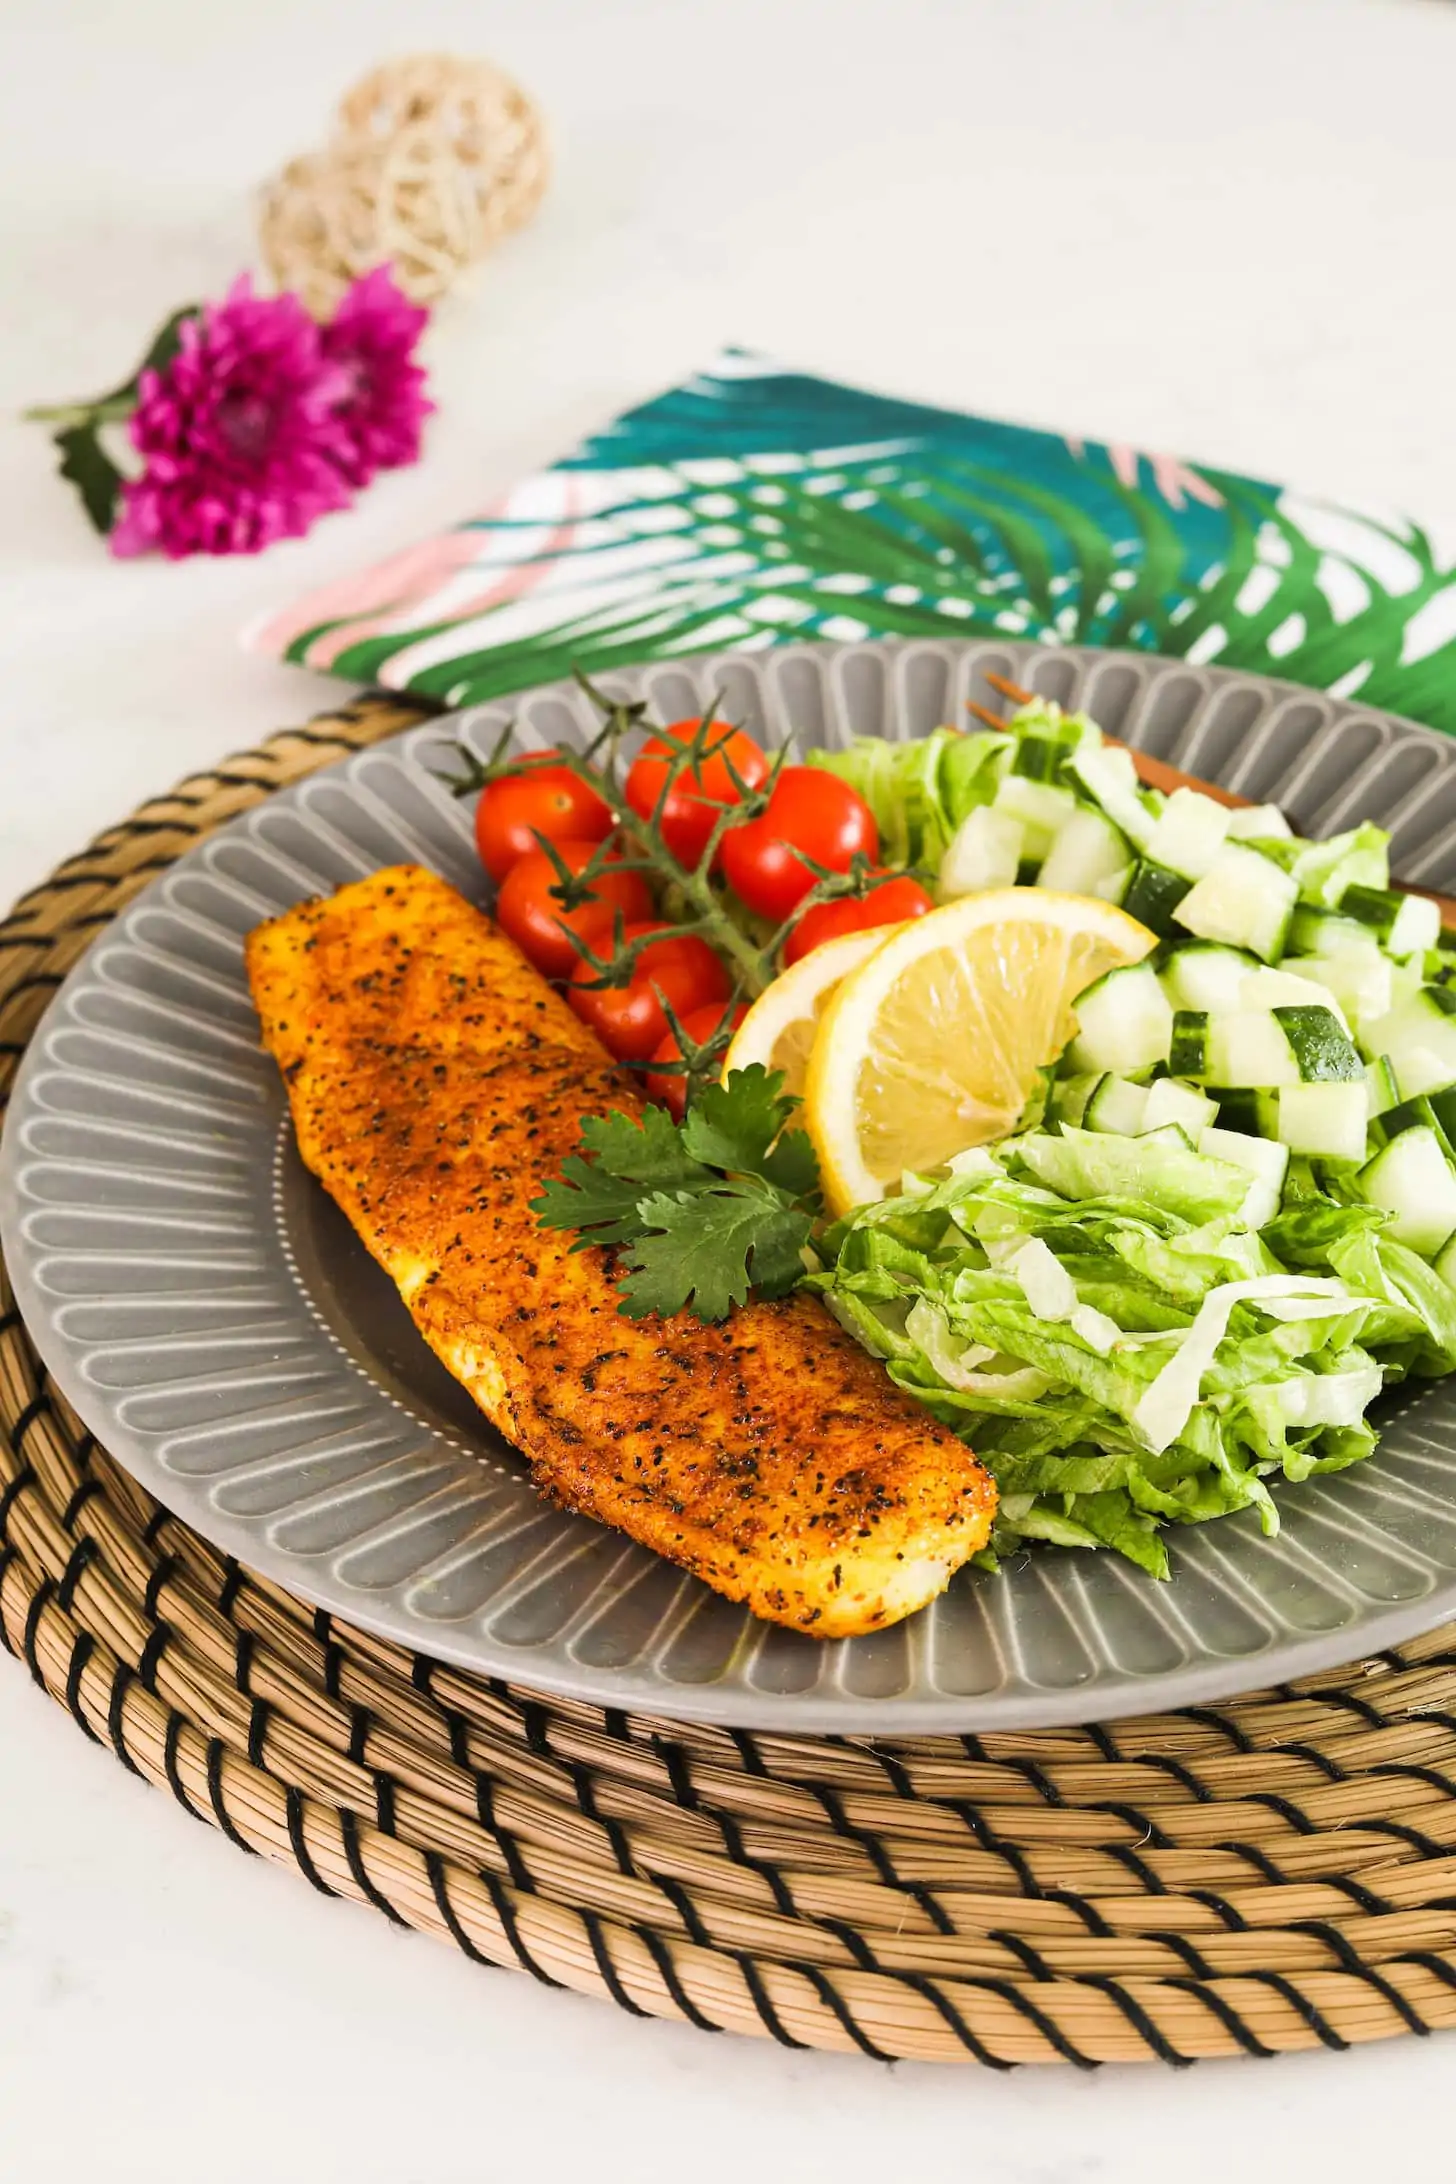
(672, 1092)
(695, 799)
(534, 917)
(812, 812)
(543, 799)
(630, 1020)
(891, 903)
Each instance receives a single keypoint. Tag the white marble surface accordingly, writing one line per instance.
(1218, 228)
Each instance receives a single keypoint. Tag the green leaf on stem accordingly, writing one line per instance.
(90, 469)
(84, 462)
(165, 342)
(164, 345)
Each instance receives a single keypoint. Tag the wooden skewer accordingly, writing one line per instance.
(1010, 690)
(1156, 773)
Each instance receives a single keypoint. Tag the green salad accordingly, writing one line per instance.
(1226, 1218)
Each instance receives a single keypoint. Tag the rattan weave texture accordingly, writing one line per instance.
(1279, 1873)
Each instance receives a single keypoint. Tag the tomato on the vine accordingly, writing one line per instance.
(534, 917)
(893, 902)
(672, 1091)
(811, 813)
(694, 802)
(630, 1019)
(544, 798)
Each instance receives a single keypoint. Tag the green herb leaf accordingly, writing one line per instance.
(90, 469)
(603, 1207)
(117, 405)
(740, 1126)
(709, 1209)
(166, 341)
(621, 1160)
(650, 1150)
(706, 1250)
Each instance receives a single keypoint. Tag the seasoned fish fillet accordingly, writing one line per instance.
(436, 1080)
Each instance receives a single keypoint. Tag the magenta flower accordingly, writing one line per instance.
(252, 421)
(372, 337)
(241, 433)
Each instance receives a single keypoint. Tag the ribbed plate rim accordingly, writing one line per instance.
(724, 1702)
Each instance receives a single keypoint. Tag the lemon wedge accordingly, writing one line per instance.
(933, 1042)
(779, 1029)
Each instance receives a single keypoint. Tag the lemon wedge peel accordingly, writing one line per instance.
(780, 1028)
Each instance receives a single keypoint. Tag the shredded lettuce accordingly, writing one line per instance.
(1091, 1316)
(919, 791)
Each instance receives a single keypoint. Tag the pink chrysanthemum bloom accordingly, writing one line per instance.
(241, 434)
(372, 337)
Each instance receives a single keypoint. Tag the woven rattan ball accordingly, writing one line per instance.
(432, 161)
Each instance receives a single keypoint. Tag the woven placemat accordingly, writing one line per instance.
(1272, 1874)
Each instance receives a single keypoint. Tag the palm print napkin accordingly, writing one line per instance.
(754, 505)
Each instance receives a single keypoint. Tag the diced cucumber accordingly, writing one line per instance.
(1283, 1045)
(1412, 1180)
(1313, 931)
(1419, 1035)
(1088, 857)
(1039, 758)
(1324, 870)
(1320, 1044)
(1265, 989)
(1116, 1105)
(1153, 895)
(1181, 1104)
(1245, 899)
(1188, 1043)
(1069, 1096)
(1361, 980)
(985, 851)
(1041, 808)
(1446, 1264)
(1442, 1102)
(1241, 1107)
(1325, 1121)
(1189, 834)
(1198, 974)
(1381, 1086)
(1257, 823)
(1422, 1069)
(1249, 1049)
(1123, 1022)
(1405, 925)
(1168, 1133)
(1411, 1115)
(1265, 1161)
(1109, 778)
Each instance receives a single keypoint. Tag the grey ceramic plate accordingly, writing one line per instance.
(214, 1321)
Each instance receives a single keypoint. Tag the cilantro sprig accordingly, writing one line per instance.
(703, 1211)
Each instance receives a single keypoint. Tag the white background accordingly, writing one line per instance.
(1219, 226)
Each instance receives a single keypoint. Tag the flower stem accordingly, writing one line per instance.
(68, 415)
